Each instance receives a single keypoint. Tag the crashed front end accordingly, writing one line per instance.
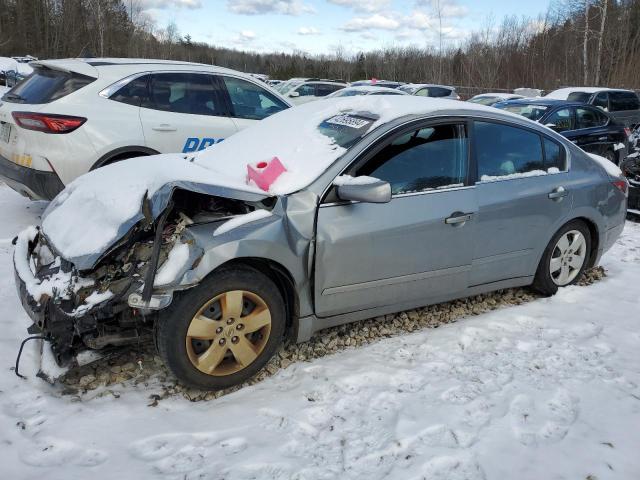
(94, 310)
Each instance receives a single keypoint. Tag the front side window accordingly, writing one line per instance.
(561, 120)
(505, 151)
(191, 93)
(602, 101)
(590, 118)
(251, 101)
(421, 160)
(306, 90)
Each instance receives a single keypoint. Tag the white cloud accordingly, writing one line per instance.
(447, 8)
(368, 6)
(308, 31)
(163, 4)
(260, 7)
(377, 21)
(248, 34)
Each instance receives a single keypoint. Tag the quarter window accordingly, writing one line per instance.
(426, 159)
(553, 156)
(135, 92)
(561, 120)
(588, 118)
(502, 151)
(251, 101)
(184, 93)
(624, 101)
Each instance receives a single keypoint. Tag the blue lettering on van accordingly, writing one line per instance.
(195, 144)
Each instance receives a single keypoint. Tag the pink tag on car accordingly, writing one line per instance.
(265, 173)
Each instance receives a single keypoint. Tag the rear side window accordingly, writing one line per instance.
(136, 92)
(45, 85)
(426, 159)
(439, 92)
(553, 155)
(590, 118)
(191, 93)
(502, 151)
(251, 101)
(623, 101)
(323, 89)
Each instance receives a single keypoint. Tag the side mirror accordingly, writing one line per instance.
(294, 94)
(373, 191)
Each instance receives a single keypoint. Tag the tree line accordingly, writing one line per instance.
(576, 42)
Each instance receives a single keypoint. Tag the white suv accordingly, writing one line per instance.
(72, 116)
(304, 90)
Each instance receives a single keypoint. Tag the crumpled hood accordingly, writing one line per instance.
(96, 210)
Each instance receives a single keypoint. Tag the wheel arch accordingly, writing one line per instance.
(123, 153)
(282, 279)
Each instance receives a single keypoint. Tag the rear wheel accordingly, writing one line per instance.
(223, 331)
(565, 258)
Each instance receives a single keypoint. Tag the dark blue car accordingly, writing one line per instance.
(587, 126)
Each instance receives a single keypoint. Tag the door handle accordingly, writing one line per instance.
(164, 127)
(558, 194)
(458, 218)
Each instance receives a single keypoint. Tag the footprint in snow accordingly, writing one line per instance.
(52, 452)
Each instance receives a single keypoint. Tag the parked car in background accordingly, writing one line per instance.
(631, 169)
(622, 105)
(306, 90)
(374, 82)
(14, 70)
(388, 203)
(72, 116)
(430, 90)
(274, 83)
(365, 90)
(589, 127)
(490, 99)
(528, 92)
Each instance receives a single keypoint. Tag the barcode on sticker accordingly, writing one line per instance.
(348, 121)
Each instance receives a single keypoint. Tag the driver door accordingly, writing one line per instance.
(411, 250)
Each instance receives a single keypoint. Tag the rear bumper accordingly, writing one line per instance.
(35, 184)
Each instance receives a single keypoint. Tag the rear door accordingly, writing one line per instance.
(249, 102)
(409, 251)
(592, 132)
(185, 112)
(523, 193)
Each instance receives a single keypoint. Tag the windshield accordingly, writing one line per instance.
(345, 129)
(484, 100)
(532, 112)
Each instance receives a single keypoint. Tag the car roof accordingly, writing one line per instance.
(422, 85)
(95, 67)
(373, 89)
(499, 95)
(543, 101)
(563, 93)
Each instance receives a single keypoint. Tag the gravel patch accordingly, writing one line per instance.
(141, 367)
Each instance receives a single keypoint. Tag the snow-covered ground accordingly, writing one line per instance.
(546, 390)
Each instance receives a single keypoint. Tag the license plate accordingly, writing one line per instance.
(5, 132)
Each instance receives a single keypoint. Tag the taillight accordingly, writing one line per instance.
(621, 185)
(627, 132)
(47, 122)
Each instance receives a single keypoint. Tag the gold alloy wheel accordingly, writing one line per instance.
(228, 333)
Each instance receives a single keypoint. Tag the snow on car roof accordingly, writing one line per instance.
(98, 208)
(366, 89)
(498, 95)
(563, 93)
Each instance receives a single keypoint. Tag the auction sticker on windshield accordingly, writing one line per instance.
(348, 121)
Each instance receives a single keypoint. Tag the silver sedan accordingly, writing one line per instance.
(321, 215)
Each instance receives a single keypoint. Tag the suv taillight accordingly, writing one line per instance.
(47, 122)
(621, 185)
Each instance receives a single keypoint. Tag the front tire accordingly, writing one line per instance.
(223, 331)
(565, 258)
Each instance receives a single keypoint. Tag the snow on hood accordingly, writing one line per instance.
(99, 208)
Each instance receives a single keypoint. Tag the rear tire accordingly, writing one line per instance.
(223, 331)
(565, 258)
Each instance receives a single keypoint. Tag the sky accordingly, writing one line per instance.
(324, 26)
